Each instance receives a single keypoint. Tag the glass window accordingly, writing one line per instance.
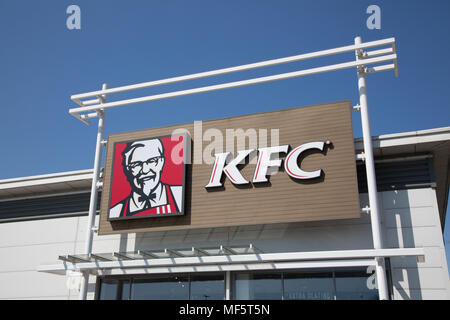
(125, 287)
(348, 284)
(355, 285)
(167, 287)
(108, 289)
(258, 286)
(308, 286)
(207, 287)
(305, 285)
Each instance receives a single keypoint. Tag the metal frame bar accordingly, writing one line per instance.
(227, 250)
(96, 105)
(370, 57)
(72, 259)
(375, 220)
(227, 285)
(98, 258)
(306, 56)
(94, 195)
(173, 253)
(200, 252)
(228, 268)
(327, 258)
(147, 255)
(300, 73)
(121, 256)
(254, 250)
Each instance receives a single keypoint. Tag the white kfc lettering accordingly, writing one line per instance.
(291, 163)
(230, 169)
(264, 163)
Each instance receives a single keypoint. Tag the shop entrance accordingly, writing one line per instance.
(338, 284)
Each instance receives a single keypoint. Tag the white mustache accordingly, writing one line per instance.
(147, 178)
(151, 175)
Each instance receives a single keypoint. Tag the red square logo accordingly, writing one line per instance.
(148, 178)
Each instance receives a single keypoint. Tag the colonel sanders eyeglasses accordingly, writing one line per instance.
(137, 166)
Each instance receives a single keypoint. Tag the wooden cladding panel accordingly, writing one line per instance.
(332, 196)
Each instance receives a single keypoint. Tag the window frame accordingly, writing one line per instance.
(122, 279)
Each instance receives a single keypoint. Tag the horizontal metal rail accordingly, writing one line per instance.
(288, 75)
(226, 267)
(151, 261)
(371, 57)
(267, 63)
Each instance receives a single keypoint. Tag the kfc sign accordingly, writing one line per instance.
(281, 166)
(148, 178)
(264, 164)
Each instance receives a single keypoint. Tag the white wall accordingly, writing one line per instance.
(24, 246)
(410, 220)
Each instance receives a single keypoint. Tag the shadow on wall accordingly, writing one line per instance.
(399, 234)
(347, 234)
(309, 236)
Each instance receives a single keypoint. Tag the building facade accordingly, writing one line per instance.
(45, 217)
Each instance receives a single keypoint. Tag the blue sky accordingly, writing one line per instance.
(121, 42)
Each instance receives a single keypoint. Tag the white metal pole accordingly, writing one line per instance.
(94, 196)
(371, 179)
(227, 285)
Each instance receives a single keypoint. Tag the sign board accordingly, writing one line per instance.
(290, 165)
(148, 177)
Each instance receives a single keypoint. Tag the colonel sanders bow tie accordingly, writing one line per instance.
(147, 199)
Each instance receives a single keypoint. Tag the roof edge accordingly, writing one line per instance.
(422, 136)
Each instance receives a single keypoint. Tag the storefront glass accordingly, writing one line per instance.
(295, 285)
(207, 287)
(308, 286)
(204, 286)
(109, 289)
(258, 286)
(161, 288)
(355, 284)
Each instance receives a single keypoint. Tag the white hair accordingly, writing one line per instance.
(152, 143)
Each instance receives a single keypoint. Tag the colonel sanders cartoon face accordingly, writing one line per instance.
(143, 165)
